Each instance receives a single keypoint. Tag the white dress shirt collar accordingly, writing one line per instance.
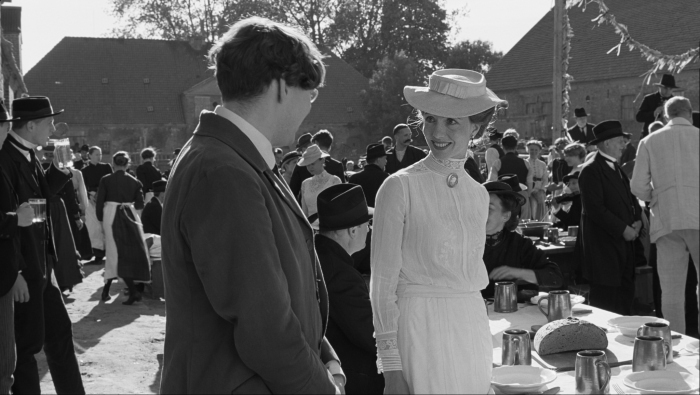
(261, 143)
(608, 157)
(24, 142)
(679, 121)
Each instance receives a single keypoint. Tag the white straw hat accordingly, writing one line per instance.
(311, 155)
(453, 93)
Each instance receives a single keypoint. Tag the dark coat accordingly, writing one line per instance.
(577, 135)
(350, 326)
(92, 174)
(151, 216)
(608, 208)
(332, 166)
(79, 164)
(411, 156)
(572, 217)
(645, 114)
(473, 169)
(514, 250)
(37, 241)
(147, 174)
(119, 187)
(370, 179)
(247, 305)
(559, 169)
(9, 235)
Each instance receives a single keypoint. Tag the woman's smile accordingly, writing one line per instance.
(441, 145)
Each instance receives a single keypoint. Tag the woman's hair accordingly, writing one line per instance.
(575, 149)
(534, 142)
(512, 132)
(148, 153)
(482, 119)
(121, 158)
(510, 203)
(654, 126)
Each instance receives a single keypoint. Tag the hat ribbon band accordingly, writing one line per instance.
(455, 90)
(40, 112)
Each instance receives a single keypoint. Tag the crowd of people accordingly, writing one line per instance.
(296, 272)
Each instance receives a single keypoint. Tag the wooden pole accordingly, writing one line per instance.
(557, 83)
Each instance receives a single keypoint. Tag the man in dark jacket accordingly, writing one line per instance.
(403, 154)
(652, 107)
(344, 224)
(324, 140)
(41, 322)
(582, 132)
(83, 161)
(247, 305)
(147, 173)
(153, 212)
(373, 174)
(610, 223)
(572, 217)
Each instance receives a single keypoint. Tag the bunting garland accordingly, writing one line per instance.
(566, 77)
(673, 63)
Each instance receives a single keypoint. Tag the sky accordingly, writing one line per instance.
(46, 22)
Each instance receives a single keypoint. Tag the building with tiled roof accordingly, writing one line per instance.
(124, 94)
(608, 86)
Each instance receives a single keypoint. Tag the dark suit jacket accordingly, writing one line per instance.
(370, 179)
(333, 167)
(411, 156)
(9, 235)
(473, 169)
(151, 216)
(350, 326)
(645, 114)
(37, 240)
(147, 174)
(79, 164)
(608, 208)
(247, 304)
(572, 217)
(576, 134)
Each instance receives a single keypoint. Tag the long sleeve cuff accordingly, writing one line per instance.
(388, 357)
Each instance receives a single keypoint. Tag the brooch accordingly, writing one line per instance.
(452, 180)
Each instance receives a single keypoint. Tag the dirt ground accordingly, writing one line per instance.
(119, 348)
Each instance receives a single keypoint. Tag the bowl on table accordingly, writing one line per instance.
(520, 379)
(628, 325)
(534, 229)
(662, 382)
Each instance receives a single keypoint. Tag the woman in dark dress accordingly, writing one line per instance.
(508, 255)
(119, 197)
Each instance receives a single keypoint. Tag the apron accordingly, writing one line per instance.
(126, 254)
(97, 236)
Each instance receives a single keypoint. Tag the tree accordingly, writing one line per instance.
(477, 55)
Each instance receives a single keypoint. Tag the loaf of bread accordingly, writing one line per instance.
(570, 334)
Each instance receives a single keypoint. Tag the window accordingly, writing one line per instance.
(149, 108)
(105, 80)
(146, 80)
(628, 110)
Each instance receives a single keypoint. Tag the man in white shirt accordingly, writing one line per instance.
(247, 305)
(666, 174)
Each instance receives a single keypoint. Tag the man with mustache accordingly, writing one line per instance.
(404, 154)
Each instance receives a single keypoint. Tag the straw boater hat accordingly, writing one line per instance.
(311, 155)
(453, 93)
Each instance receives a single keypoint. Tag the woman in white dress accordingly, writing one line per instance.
(430, 320)
(314, 159)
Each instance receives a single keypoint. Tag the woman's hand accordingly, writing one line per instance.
(513, 273)
(394, 383)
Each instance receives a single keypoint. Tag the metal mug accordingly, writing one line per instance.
(572, 231)
(553, 235)
(589, 366)
(650, 353)
(516, 348)
(505, 297)
(660, 329)
(558, 305)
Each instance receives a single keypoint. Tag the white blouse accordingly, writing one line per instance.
(311, 187)
(424, 233)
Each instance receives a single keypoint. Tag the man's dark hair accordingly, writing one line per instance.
(17, 125)
(400, 127)
(148, 153)
(121, 158)
(510, 203)
(256, 51)
(323, 138)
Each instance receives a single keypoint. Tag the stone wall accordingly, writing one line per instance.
(530, 110)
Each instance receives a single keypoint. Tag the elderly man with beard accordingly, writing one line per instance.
(403, 154)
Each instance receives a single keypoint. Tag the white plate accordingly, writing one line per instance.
(628, 325)
(575, 299)
(662, 382)
(521, 379)
(693, 347)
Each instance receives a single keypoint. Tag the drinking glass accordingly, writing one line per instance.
(62, 152)
(39, 207)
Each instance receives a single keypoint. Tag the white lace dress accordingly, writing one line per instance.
(427, 273)
(310, 188)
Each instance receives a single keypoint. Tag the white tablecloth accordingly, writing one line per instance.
(622, 346)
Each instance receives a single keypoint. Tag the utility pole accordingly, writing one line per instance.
(557, 77)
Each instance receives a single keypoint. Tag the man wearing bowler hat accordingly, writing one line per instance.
(344, 218)
(372, 175)
(610, 223)
(83, 161)
(582, 132)
(41, 322)
(652, 108)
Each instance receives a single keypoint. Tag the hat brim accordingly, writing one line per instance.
(600, 140)
(672, 87)
(351, 224)
(520, 198)
(424, 99)
(312, 160)
(369, 157)
(32, 117)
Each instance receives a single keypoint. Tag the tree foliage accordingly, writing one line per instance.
(473, 55)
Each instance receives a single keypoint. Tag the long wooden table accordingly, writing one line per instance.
(620, 347)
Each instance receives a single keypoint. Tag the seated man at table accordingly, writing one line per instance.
(568, 214)
(343, 219)
(508, 255)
